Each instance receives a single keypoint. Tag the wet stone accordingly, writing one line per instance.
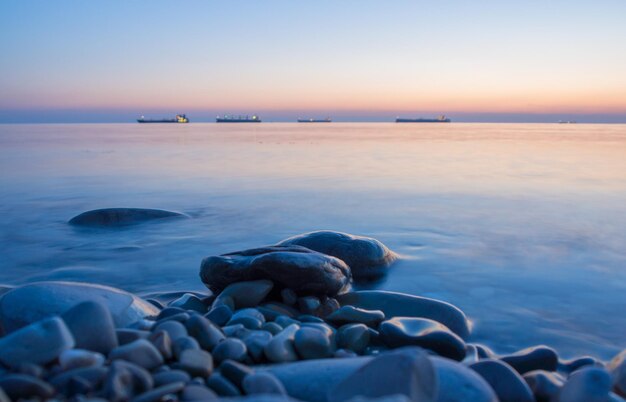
(230, 348)
(249, 317)
(569, 366)
(161, 340)
(113, 217)
(169, 312)
(157, 394)
(311, 343)
(263, 383)
(92, 327)
(544, 385)
(309, 304)
(588, 384)
(245, 294)
(204, 331)
(184, 343)
(198, 363)
(125, 381)
(222, 386)
(128, 335)
(197, 393)
(170, 376)
(272, 328)
(180, 317)
(220, 315)
(140, 352)
(281, 347)
(189, 301)
(429, 334)
(617, 368)
(508, 385)
(235, 372)
(75, 358)
(535, 358)
(350, 314)
(21, 386)
(256, 341)
(174, 329)
(92, 375)
(272, 310)
(354, 337)
(460, 383)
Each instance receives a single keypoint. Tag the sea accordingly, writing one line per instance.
(522, 226)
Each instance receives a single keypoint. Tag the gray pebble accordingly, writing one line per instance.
(162, 341)
(75, 358)
(175, 329)
(140, 352)
(21, 386)
(350, 314)
(125, 381)
(508, 385)
(197, 393)
(544, 385)
(235, 372)
(190, 301)
(230, 348)
(128, 335)
(222, 386)
(170, 376)
(272, 328)
(256, 341)
(589, 384)
(245, 294)
(312, 343)
(92, 326)
(309, 304)
(220, 315)
(184, 343)
(198, 363)
(169, 311)
(281, 347)
(354, 337)
(204, 331)
(157, 394)
(535, 358)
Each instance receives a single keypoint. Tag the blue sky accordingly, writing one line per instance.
(362, 60)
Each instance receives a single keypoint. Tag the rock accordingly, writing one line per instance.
(245, 294)
(110, 217)
(30, 303)
(174, 329)
(569, 366)
(309, 304)
(204, 331)
(170, 376)
(163, 343)
(197, 363)
(234, 330)
(128, 335)
(354, 337)
(281, 347)
(410, 374)
(544, 385)
(506, 383)
(230, 348)
(220, 315)
(157, 394)
(429, 334)
(22, 387)
(535, 358)
(38, 343)
(309, 318)
(272, 328)
(366, 257)
(284, 321)
(235, 372)
(351, 314)
(184, 343)
(303, 270)
(197, 393)
(93, 376)
(126, 380)
(263, 383)
(402, 305)
(75, 358)
(140, 352)
(471, 354)
(590, 384)
(250, 318)
(92, 326)
(458, 383)
(169, 312)
(344, 353)
(288, 296)
(222, 386)
(311, 343)
(617, 367)
(272, 310)
(189, 301)
(256, 341)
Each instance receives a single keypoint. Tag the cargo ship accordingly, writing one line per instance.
(440, 119)
(326, 120)
(180, 118)
(237, 119)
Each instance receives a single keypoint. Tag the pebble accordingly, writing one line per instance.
(37, 343)
(309, 304)
(263, 383)
(411, 331)
(544, 385)
(281, 347)
(367, 257)
(198, 363)
(569, 366)
(21, 386)
(140, 352)
(220, 315)
(394, 304)
(288, 296)
(271, 310)
(92, 375)
(245, 294)
(535, 358)
(589, 384)
(204, 331)
(617, 367)
(182, 344)
(128, 335)
(234, 330)
(174, 329)
(162, 341)
(170, 376)
(298, 268)
(92, 327)
(222, 386)
(189, 301)
(256, 341)
(311, 343)
(459, 383)
(230, 348)
(250, 318)
(197, 393)
(272, 328)
(125, 381)
(235, 372)
(180, 317)
(343, 353)
(285, 321)
(351, 314)
(508, 385)
(354, 337)
(75, 358)
(309, 318)
(169, 312)
(157, 394)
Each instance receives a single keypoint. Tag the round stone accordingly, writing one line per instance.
(354, 337)
(245, 294)
(535, 358)
(351, 314)
(281, 347)
(110, 217)
(140, 352)
(508, 385)
(311, 343)
(198, 363)
(230, 348)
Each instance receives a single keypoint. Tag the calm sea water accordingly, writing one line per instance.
(522, 226)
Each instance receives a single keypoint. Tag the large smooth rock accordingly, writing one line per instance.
(303, 270)
(108, 217)
(366, 257)
(403, 305)
(33, 302)
(458, 383)
(617, 367)
(38, 343)
(92, 326)
(508, 385)
(410, 374)
(429, 334)
(589, 384)
(534, 358)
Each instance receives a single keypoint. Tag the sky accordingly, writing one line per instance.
(111, 61)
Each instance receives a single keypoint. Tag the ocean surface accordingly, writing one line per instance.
(522, 226)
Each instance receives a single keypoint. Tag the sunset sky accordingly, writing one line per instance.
(76, 61)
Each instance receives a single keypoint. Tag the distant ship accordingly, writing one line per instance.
(440, 119)
(237, 119)
(567, 122)
(180, 118)
(326, 120)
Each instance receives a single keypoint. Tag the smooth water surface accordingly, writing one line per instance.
(522, 226)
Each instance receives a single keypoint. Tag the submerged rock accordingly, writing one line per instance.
(394, 304)
(366, 257)
(303, 270)
(109, 217)
(30, 303)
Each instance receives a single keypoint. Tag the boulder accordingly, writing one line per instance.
(303, 270)
(30, 303)
(394, 304)
(366, 257)
(508, 385)
(617, 367)
(111, 217)
(458, 383)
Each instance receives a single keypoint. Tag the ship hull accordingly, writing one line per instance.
(422, 120)
(237, 121)
(160, 121)
(314, 121)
